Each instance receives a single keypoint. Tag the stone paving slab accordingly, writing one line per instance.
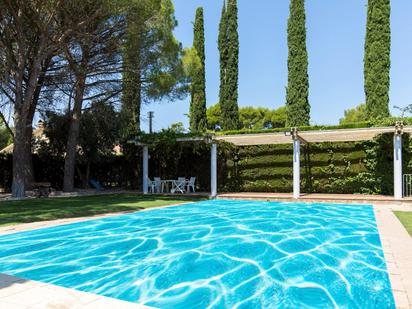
(20, 293)
(397, 247)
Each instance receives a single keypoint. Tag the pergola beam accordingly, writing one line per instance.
(316, 136)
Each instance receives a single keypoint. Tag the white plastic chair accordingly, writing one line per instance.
(191, 184)
(157, 185)
(151, 185)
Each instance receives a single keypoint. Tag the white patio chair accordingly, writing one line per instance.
(191, 185)
(157, 185)
(151, 185)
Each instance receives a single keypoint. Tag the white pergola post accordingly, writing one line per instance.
(296, 168)
(145, 169)
(397, 165)
(213, 170)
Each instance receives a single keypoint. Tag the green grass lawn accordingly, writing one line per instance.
(32, 210)
(406, 219)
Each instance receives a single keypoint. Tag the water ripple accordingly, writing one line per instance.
(215, 254)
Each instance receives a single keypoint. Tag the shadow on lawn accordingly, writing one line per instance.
(32, 210)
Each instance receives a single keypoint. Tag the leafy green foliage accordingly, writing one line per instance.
(377, 58)
(198, 120)
(191, 61)
(251, 118)
(153, 67)
(213, 117)
(99, 133)
(305, 128)
(5, 137)
(361, 167)
(229, 49)
(297, 92)
(223, 56)
(353, 115)
(178, 127)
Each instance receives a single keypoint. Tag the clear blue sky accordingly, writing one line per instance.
(335, 40)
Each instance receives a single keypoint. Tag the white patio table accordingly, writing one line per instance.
(175, 184)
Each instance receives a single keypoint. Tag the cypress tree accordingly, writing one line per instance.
(297, 92)
(377, 59)
(198, 119)
(223, 52)
(229, 105)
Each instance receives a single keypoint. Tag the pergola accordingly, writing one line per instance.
(296, 137)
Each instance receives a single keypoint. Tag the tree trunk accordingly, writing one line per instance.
(73, 138)
(19, 156)
(23, 116)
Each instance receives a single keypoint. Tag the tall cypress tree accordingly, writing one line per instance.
(223, 52)
(229, 106)
(297, 92)
(198, 119)
(377, 59)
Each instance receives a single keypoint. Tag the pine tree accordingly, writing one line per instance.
(229, 105)
(377, 59)
(198, 120)
(153, 67)
(297, 92)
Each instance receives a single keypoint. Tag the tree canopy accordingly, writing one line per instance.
(252, 118)
(153, 67)
(353, 115)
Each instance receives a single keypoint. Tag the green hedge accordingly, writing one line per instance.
(353, 167)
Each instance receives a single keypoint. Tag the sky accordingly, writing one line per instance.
(335, 42)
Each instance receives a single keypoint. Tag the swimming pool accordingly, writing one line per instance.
(220, 254)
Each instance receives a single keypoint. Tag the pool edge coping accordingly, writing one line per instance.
(395, 242)
(21, 293)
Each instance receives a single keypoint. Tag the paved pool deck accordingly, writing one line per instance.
(20, 293)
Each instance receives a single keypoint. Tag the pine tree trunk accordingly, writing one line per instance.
(73, 137)
(23, 116)
(21, 147)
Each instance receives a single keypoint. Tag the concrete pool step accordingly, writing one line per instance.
(22, 294)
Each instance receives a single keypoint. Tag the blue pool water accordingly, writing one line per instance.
(217, 254)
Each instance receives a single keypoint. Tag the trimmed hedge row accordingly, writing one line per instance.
(355, 167)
